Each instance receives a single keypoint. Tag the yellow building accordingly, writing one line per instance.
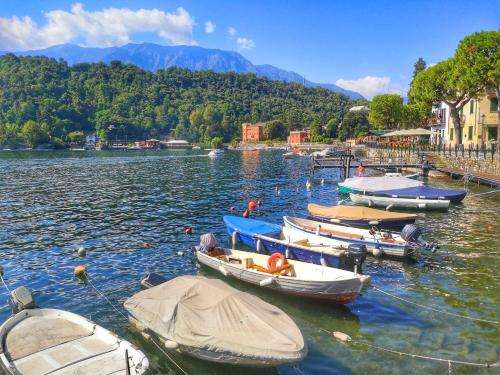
(478, 120)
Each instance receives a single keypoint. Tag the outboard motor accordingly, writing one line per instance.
(412, 234)
(356, 255)
(21, 299)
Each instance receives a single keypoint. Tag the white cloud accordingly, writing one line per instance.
(209, 27)
(232, 31)
(370, 86)
(245, 43)
(107, 27)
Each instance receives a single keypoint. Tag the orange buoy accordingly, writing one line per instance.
(147, 244)
(276, 188)
(188, 230)
(252, 205)
(246, 214)
(79, 271)
(232, 208)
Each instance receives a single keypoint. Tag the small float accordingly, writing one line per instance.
(215, 153)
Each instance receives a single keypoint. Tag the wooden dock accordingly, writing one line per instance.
(481, 178)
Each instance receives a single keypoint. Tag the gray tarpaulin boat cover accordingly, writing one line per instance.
(210, 315)
(372, 184)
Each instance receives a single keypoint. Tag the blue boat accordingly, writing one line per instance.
(423, 192)
(271, 238)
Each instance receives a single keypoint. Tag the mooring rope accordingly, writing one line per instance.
(412, 355)
(170, 358)
(104, 296)
(434, 309)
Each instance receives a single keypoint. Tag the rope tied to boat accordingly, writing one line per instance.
(434, 309)
(169, 357)
(348, 340)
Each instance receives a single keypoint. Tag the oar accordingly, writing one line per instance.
(127, 365)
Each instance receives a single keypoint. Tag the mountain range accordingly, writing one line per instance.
(153, 57)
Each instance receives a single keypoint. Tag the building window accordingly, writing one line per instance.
(470, 133)
(451, 134)
(492, 134)
(472, 106)
(493, 104)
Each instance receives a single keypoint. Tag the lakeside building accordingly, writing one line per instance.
(252, 132)
(298, 137)
(478, 120)
(438, 123)
(359, 108)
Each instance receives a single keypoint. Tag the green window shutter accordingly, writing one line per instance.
(472, 106)
(493, 104)
(451, 134)
(470, 133)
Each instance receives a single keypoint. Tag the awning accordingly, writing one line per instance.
(408, 133)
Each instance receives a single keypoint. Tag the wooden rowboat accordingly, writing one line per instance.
(302, 279)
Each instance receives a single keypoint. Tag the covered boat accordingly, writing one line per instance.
(290, 276)
(376, 241)
(360, 216)
(424, 192)
(371, 184)
(50, 341)
(394, 202)
(210, 320)
(305, 247)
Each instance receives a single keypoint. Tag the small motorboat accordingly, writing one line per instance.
(304, 247)
(377, 241)
(50, 341)
(363, 185)
(289, 276)
(296, 155)
(359, 216)
(394, 202)
(196, 148)
(208, 319)
(424, 192)
(216, 153)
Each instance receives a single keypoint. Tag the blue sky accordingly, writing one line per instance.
(368, 46)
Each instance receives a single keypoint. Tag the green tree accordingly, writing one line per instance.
(274, 130)
(216, 142)
(35, 134)
(354, 123)
(331, 127)
(76, 137)
(386, 111)
(414, 115)
(478, 65)
(418, 67)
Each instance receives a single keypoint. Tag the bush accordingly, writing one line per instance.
(216, 142)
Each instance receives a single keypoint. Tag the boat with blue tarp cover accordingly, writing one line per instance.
(424, 192)
(305, 247)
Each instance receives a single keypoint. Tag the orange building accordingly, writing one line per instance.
(252, 132)
(298, 137)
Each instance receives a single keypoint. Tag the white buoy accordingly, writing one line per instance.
(421, 206)
(322, 261)
(322, 181)
(308, 185)
(258, 246)
(267, 282)
(377, 252)
(287, 254)
(234, 238)
(180, 253)
(169, 344)
(82, 252)
(318, 230)
(341, 336)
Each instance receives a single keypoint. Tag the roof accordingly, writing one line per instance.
(256, 124)
(358, 108)
(178, 141)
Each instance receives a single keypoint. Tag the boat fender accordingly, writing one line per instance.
(389, 207)
(365, 279)
(267, 282)
(169, 344)
(341, 336)
(246, 214)
(369, 203)
(377, 252)
(258, 246)
(287, 253)
(374, 222)
(421, 206)
(322, 260)
(234, 238)
(224, 271)
(337, 221)
(318, 230)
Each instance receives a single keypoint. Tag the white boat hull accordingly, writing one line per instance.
(389, 202)
(312, 281)
(42, 341)
(396, 246)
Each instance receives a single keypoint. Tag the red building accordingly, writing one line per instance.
(252, 132)
(298, 137)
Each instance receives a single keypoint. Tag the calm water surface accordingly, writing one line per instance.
(53, 203)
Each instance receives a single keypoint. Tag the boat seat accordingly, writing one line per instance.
(50, 332)
(304, 242)
(333, 232)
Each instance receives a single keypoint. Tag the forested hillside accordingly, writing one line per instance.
(44, 100)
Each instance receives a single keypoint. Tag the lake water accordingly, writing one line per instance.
(52, 203)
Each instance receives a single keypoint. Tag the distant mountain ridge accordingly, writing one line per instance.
(153, 57)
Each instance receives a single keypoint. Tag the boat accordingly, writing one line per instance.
(304, 247)
(359, 216)
(51, 341)
(377, 241)
(424, 192)
(392, 202)
(215, 153)
(363, 185)
(291, 277)
(413, 176)
(207, 319)
(296, 155)
(196, 148)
